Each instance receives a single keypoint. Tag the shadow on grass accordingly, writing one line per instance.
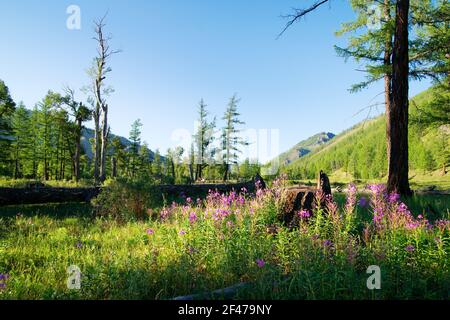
(52, 210)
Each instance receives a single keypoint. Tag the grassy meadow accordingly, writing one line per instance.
(195, 246)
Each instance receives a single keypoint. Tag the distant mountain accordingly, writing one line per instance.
(88, 134)
(360, 152)
(305, 147)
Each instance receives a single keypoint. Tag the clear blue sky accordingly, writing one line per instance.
(178, 51)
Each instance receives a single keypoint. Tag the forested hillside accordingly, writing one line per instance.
(361, 151)
(305, 147)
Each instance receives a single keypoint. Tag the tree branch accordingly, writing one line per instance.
(299, 13)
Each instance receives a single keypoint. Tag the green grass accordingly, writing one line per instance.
(122, 261)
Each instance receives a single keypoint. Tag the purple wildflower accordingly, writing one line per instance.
(182, 232)
(165, 213)
(150, 232)
(394, 197)
(328, 244)
(304, 214)
(410, 248)
(79, 245)
(260, 263)
(363, 202)
(192, 217)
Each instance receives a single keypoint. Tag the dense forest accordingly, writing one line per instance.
(361, 150)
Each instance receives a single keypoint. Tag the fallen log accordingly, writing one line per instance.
(16, 196)
(39, 194)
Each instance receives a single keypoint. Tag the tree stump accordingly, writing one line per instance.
(301, 198)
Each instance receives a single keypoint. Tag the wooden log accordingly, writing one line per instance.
(39, 194)
(14, 196)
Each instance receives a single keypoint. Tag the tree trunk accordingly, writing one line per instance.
(227, 169)
(397, 123)
(97, 147)
(114, 167)
(76, 162)
(388, 75)
(172, 164)
(104, 137)
(191, 172)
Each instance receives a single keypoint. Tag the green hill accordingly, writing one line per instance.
(360, 152)
(305, 147)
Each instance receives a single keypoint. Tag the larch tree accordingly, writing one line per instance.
(135, 139)
(21, 131)
(231, 139)
(393, 64)
(7, 107)
(203, 140)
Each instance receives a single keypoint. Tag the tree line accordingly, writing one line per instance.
(46, 143)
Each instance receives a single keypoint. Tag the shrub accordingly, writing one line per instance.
(126, 200)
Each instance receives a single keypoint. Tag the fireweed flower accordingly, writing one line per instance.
(150, 232)
(378, 215)
(260, 263)
(192, 217)
(3, 279)
(351, 198)
(304, 214)
(165, 213)
(394, 197)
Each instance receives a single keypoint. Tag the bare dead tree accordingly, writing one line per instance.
(98, 74)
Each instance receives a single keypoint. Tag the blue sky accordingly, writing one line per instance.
(176, 52)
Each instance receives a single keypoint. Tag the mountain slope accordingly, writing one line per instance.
(305, 147)
(360, 152)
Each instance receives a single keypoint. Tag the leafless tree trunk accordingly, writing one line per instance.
(99, 73)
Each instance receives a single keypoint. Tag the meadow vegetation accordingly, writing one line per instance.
(195, 246)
